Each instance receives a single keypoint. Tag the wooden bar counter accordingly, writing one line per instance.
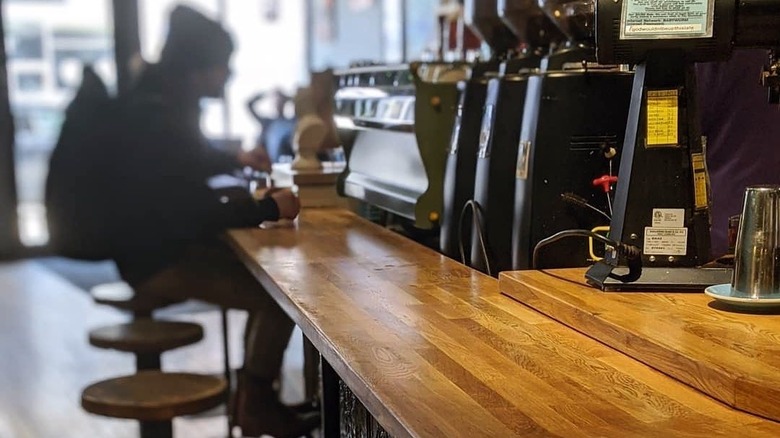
(432, 348)
(729, 354)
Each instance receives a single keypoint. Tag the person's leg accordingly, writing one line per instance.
(261, 358)
(212, 273)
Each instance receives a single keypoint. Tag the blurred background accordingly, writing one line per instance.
(278, 44)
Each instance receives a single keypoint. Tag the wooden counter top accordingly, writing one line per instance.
(732, 356)
(432, 348)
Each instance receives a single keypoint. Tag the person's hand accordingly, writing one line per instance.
(257, 159)
(288, 204)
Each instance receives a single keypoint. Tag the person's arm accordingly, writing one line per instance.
(216, 161)
(175, 190)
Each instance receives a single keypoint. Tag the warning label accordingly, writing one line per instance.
(669, 217)
(650, 19)
(699, 181)
(666, 241)
(662, 117)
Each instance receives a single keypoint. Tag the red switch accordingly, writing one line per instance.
(605, 182)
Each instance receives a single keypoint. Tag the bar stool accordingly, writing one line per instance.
(154, 398)
(121, 296)
(146, 338)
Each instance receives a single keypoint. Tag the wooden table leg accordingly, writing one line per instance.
(331, 427)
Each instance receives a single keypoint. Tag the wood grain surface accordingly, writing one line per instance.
(731, 355)
(433, 349)
(154, 395)
(146, 335)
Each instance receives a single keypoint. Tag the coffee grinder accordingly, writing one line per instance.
(570, 143)
(499, 132)
(482, 17)
(661, 203)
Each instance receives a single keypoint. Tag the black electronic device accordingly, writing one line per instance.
(482, 17)
(662, 200)
(570, 142)
(499, 134)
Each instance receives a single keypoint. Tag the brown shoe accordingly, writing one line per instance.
(258, 411)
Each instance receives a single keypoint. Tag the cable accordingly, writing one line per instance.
(582, 202)
(609, 200)
(632, 254)
(476, 213)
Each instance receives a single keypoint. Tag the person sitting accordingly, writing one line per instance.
(277, 129)
(147, 169)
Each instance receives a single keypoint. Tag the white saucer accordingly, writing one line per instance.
(723, 293)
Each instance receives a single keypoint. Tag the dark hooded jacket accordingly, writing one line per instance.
(158, 171)
(128, 177)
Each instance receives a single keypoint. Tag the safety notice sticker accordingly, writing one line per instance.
(669, 217)
(662, 118)
(664, 19)
(666, 241)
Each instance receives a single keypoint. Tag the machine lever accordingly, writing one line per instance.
(605, 182)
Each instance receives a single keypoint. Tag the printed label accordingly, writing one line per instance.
(699, 181)
(662, 118)
(666, 241)
(523, 152)
(666, 19)
(668, 217)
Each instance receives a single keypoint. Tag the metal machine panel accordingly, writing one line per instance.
(390, 163)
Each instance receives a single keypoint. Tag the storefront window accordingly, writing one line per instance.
(47, 45)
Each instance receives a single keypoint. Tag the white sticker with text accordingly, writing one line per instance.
(668, 217)
(666, 241)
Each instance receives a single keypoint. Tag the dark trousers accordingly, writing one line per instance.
(212, 273)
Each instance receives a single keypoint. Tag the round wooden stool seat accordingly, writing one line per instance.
(146, 336)
(122, 296)
(154, 395)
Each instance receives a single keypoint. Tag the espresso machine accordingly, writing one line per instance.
(395, 123)
(482, 17)
(499, 133)
(662, 204)
(570, 143)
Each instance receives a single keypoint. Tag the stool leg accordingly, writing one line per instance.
(149, 361)
(156, 429)
(226, 348)
(228, 371)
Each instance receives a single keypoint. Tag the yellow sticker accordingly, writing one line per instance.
(699, 180)
(662, 117)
